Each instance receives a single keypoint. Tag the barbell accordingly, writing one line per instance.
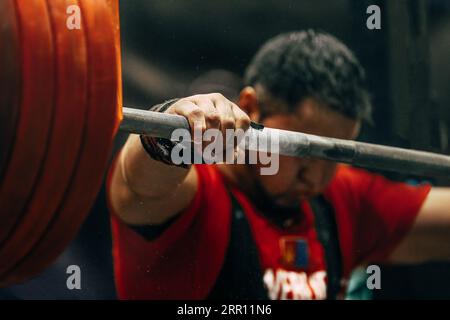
(61, 107)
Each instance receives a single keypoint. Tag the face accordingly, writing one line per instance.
(300, 178)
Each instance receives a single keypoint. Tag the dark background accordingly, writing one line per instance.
(168, 45)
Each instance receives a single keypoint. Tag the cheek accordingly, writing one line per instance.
(328, 173)
(288, 167)
(274, 185)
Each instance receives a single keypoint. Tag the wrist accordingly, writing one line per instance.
(160, 149)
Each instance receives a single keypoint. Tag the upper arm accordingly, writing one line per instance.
(429, 238)
(378, 214)
(185, 259)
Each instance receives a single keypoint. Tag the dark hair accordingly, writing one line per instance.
(298, 65)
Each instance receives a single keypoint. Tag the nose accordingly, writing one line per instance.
(314, 175)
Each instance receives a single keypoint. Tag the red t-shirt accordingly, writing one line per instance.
(372, 215)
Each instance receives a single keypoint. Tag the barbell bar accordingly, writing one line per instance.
(298, 144)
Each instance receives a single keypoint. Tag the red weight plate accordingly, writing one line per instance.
(9, 80)
(114, 5)
(65, 139)
(104, 115)
(36, 109)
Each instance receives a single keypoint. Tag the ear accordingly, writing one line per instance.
(248, 102)
(306, 109)
(356, 129)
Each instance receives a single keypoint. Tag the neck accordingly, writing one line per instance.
(239, 176)
(243, 177)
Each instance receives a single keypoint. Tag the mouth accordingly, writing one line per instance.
(288, 201)
(293, 199)
(305, 195)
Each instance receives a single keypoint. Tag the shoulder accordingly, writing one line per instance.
(346, 173)
(349, 181)
(211, 181)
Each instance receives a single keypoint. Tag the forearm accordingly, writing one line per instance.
(145, 176)
(429, 238)
(144, 191)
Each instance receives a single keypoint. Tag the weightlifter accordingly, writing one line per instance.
(226, 231)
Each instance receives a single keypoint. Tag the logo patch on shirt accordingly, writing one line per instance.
(294, 252)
